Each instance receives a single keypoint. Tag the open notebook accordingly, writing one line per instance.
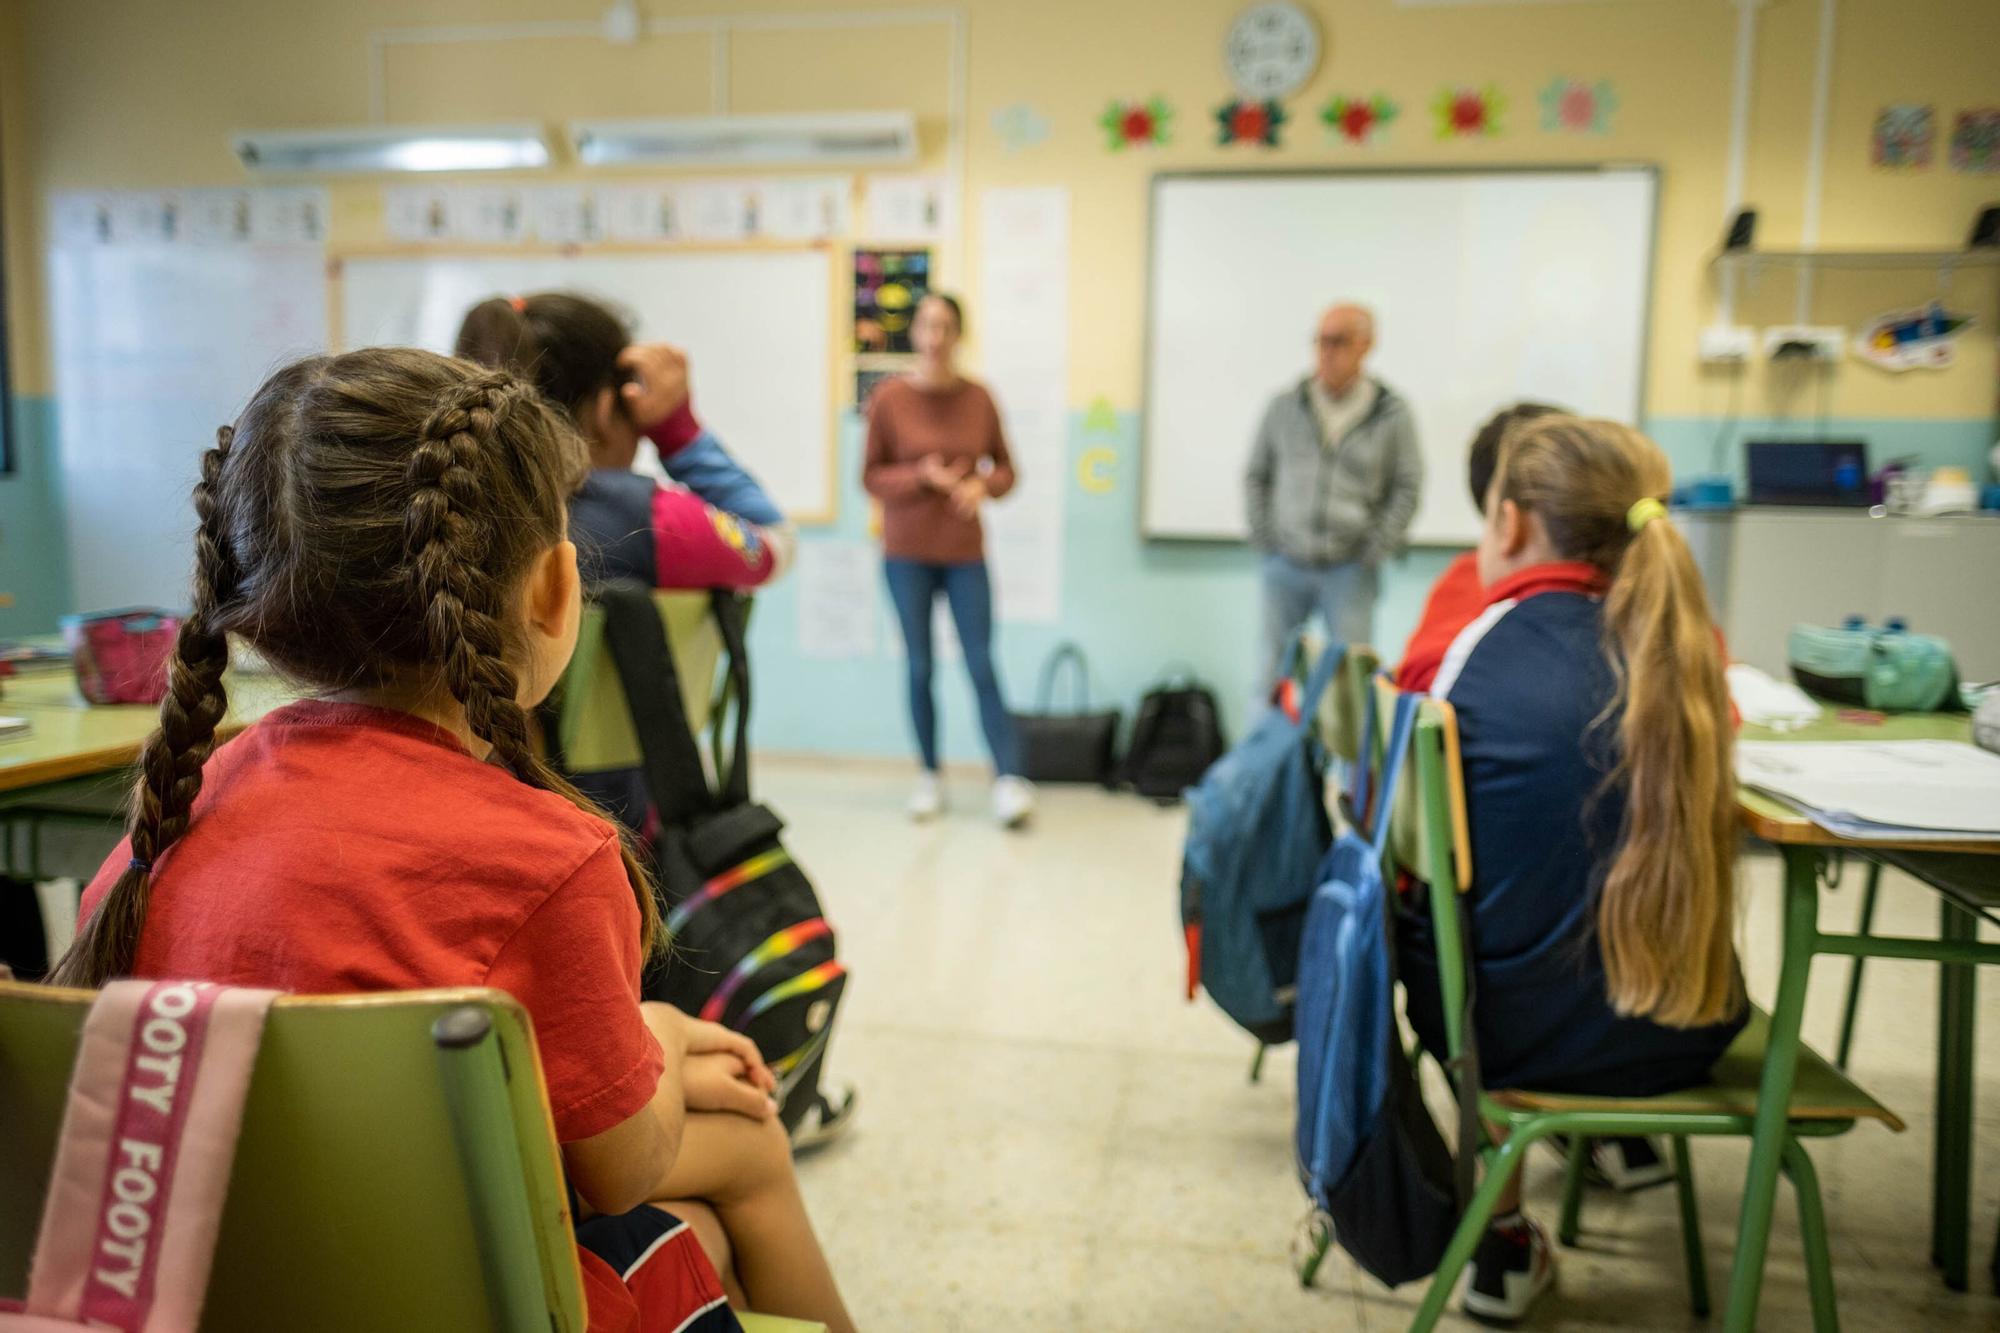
(1944, 790)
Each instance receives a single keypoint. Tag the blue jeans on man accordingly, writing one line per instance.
(1343, 594)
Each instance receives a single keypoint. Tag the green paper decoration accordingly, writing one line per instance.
(1467, 113)
(1126, 124)
(1240, 121)
(1576, 107)
(1359, 120)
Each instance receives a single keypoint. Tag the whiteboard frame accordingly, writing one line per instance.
(1160, 178)
(840, 369)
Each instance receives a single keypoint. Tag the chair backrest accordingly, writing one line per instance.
(397, 1167)
(1446, 854)
(595, 722)
(1409, 845)
(1341, 708)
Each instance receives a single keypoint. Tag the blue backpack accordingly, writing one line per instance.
(1370, 1156)
(1257, 828)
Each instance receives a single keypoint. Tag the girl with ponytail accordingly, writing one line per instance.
(387, 527)
(1599, 773)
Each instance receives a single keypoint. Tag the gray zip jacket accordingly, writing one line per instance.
(1317, 505)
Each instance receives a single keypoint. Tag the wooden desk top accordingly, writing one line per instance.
(1777, 822)
(69, 738)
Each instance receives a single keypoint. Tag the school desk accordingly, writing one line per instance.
(1966, 876)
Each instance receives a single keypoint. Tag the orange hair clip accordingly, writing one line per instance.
(520, 304)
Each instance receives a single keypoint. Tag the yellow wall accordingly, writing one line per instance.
(138, 93)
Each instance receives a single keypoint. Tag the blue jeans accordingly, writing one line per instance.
(914, 587)
(1344, 595)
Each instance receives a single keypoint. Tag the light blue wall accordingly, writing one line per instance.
(1137, 607)
(34, 557)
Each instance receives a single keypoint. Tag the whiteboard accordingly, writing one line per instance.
(1487, 287)
(757, 326)
(156, 345)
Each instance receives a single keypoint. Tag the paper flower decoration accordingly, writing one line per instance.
(1577, 107)
(1129, 123)
(1020, 126)
(1249, 122)
(1359, 120)
(1468, 112)
(1975, 140)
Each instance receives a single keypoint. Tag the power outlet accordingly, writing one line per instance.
(1805, 342)
(1727, 344)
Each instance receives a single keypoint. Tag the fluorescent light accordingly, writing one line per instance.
(373, 148)
(711, 141)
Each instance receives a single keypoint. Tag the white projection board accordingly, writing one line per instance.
(1487, 286)
(156, 345)
(757, 326)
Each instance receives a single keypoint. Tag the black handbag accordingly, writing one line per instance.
(1073, 746)
(750, 947)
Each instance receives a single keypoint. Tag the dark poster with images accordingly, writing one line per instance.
(887, 286)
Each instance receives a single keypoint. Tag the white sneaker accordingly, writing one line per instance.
(927, 801)
(1013, 801)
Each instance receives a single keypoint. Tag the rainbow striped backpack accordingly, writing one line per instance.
(750, 947)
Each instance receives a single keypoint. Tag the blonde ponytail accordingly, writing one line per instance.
(1666, 914)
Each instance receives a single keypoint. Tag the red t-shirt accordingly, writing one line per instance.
(1456, 600)
(338, 848)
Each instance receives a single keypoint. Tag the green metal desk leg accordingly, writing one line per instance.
(1854, 970)
(1958, 1005)
(1767, 1144)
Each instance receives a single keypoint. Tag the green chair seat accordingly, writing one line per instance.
(1819, 1091)
(770, 1323)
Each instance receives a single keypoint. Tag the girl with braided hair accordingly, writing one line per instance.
(387, 527)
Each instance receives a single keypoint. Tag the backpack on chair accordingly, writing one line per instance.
(1257, 828)
(749, 946)
(1377, 1171)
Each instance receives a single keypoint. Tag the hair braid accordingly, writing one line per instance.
(463, 604)
(170, 768)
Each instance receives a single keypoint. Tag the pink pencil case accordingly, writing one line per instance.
(121, 656)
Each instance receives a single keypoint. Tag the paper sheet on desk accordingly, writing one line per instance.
(1861, 788)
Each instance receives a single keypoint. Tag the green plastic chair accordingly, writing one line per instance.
(397, 1166)
(594, 722)
(1824, 1102)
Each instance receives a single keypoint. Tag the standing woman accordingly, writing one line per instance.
(935, 454)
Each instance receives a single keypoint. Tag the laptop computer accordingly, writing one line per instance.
(1826, 473)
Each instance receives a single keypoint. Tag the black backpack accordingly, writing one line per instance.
(1176, 735)
(749, 946)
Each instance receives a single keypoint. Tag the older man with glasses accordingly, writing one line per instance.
(1332, 484)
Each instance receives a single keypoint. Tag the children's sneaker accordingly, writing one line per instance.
(927, 801)
(1013, 802)
(1630, 1163)
(826, 1119)
(1512, 1267)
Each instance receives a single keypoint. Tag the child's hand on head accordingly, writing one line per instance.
(659, 386)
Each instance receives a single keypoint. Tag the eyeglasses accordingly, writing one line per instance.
(1333, 342)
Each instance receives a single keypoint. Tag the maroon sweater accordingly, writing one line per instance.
(906, 424)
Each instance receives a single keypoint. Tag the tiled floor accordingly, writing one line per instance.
(1052, 1139)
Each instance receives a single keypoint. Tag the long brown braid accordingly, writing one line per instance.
(366, 522)
(170, 766)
